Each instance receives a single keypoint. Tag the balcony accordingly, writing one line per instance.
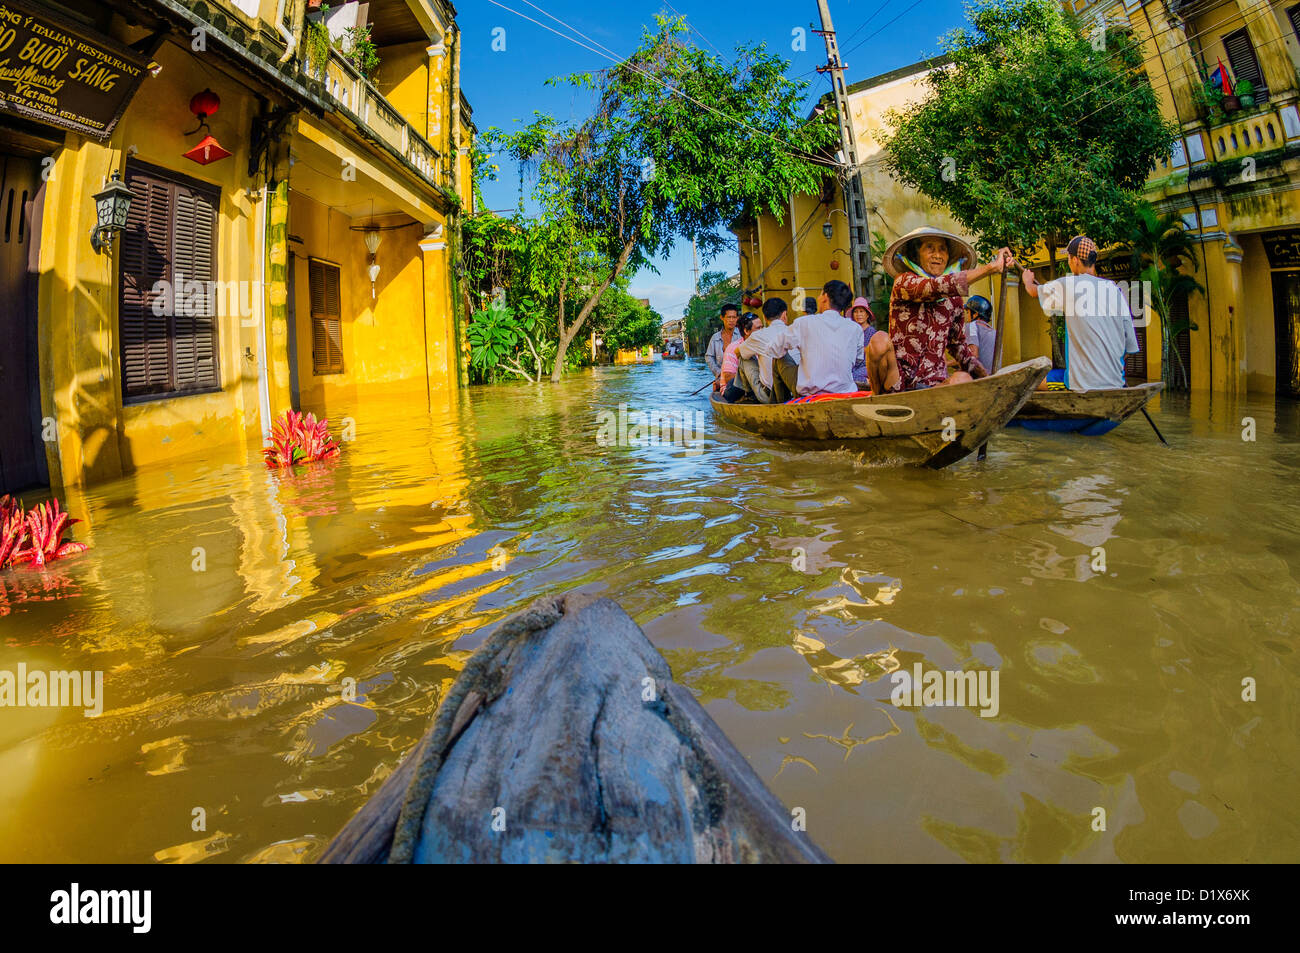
(1245, 133)
(358, 99)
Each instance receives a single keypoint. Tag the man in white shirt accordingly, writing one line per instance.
(1098, 320)
(770, 381)
(828, 342)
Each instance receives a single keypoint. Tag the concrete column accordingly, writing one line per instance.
(1230, 336)
(277, 274)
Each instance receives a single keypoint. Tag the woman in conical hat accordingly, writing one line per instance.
(933, 271)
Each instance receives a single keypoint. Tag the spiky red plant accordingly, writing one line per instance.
(35, 537)
(299, 438)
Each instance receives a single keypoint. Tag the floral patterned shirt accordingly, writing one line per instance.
(925, 319)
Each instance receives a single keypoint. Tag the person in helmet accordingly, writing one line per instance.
(979, 328)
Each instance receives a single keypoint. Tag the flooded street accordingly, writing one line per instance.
(228, 607)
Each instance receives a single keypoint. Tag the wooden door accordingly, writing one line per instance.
(22, 454)
(1286, 323)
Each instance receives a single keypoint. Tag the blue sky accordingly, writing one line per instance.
(505, 86)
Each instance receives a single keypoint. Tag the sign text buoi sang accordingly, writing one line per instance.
(63, 74)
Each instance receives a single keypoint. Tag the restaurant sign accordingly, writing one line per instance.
(63, 74)
(1282, 248)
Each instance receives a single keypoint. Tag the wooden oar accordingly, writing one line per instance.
(1154, 427)
(997, 342)
(712, 380)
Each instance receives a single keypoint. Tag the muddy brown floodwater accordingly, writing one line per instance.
(228, 607)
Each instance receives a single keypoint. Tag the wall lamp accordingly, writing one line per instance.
(111, 209)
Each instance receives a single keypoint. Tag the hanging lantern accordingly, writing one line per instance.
(835, 264)
(208, 150)
(111, 209)
(205, 104)
(372, 239)
(827, 230)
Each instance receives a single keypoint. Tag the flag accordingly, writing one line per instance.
(1222, 73)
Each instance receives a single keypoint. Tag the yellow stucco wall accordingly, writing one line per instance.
(383, 337)
(100, 437)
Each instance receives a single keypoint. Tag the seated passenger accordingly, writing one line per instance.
(933, 272)
(771, 381)
(865, 319)
(979, 328)
(828, 343)
(733, 390)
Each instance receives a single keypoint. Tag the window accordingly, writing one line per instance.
(167, 270)
(326, 323)
(1241, 57)
(1294, 14)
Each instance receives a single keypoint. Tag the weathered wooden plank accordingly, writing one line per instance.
(1118, 404)
(907, 428)
(570, 742)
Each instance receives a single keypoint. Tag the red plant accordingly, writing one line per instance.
(299, 438)
(35, 537)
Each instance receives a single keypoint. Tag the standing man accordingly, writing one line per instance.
(721, 340)
(1098, 320)
(828, 343)
(933, 271)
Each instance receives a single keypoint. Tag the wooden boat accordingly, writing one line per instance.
(1091, 412)
(566, 739)
(933, 427)
(673, 357)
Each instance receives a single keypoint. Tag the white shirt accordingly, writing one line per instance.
(764, 359)
(829, 344)
(1098, 326)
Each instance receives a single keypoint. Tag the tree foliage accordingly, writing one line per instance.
(1041, 127)
(679, 145)
(702, 317)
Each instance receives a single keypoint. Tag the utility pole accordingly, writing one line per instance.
(695, 257)
(850, 174)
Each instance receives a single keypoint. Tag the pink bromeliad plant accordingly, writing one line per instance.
(34, 537)
(299, 438)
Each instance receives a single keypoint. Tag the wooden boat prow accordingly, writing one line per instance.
(933, 427)
(565, 739)
(1090, 412)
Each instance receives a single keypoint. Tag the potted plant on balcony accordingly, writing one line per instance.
(1245, 92)
(1209, 97)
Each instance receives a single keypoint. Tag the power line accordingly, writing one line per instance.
(613, 57)
(883, 28)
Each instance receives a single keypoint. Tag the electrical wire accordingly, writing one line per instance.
(613, 57)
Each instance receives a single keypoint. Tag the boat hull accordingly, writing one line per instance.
(1090, 413)
(934, 427)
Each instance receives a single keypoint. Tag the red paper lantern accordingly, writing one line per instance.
(835, 264)
(208, 150)
(205, 104)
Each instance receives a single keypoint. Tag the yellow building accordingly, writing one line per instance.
(262, 169)
(1233, 179)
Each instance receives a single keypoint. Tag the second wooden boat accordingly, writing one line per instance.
(1090, 412)
(933, 427)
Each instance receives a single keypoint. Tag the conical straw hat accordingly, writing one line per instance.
(957, 248)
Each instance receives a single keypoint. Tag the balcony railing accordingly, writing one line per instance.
(1245, 133)
(356, 95)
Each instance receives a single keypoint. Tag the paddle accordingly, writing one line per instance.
(1154, 427)
(711, 381)
(997, 342)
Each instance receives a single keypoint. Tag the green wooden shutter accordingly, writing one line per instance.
(1245, 65)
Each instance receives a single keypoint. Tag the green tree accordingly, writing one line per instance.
(1039, 128)
(679, 145)
(1160, 245)
(702, 311)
